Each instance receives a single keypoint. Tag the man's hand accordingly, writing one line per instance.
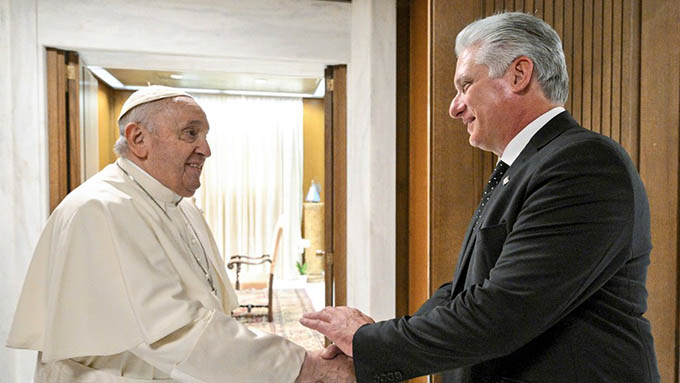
(316, 369)
(337, 323)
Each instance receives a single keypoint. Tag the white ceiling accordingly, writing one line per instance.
(241, 41)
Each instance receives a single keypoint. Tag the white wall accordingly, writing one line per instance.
(371, 158)
(23, 182)
(271, 36)
(89, 124)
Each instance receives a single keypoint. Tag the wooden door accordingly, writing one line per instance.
(335, 126)
(63, 123)
(622, 58)
(659, 126)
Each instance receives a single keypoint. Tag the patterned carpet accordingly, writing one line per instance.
(289, 304)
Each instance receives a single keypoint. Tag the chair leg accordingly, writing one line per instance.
(270, 303)
(238, 274)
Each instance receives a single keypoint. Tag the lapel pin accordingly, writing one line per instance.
(506, 180)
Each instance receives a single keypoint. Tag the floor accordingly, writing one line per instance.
(289, 306)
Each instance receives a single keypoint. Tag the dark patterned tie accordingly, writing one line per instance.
(495, 178)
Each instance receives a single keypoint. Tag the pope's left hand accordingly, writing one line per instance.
(337, 323)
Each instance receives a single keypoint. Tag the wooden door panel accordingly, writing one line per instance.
(328, 190)
(335, 116)
(622, 59)
(56, 122)
(658, 123)
(62, 123)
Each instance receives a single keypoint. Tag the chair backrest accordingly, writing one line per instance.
(276, 242)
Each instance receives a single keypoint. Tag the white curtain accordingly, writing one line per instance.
(254, 175)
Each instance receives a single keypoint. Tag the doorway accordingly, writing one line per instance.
(292, 296)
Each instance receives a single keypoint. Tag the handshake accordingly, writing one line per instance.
(334, 364)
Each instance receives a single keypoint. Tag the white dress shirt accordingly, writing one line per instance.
(520, 141)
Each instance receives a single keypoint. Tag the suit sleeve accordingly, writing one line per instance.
(440, 297)
(571, 233)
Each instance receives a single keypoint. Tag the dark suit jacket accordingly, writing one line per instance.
(554, 289)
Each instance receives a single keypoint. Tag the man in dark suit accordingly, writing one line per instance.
(550, 281)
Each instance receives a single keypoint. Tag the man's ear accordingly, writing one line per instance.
(137, 139)
(520, 72)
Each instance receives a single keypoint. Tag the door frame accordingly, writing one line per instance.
(335, 185)
(63, 123)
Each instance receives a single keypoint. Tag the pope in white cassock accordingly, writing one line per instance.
(126, 283)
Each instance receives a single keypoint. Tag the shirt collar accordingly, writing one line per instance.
(157, 190)
(520, 141)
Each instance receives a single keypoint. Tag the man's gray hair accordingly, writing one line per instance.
(503, 37)
(144, 115)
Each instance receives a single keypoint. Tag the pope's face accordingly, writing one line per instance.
(479, 103)
(178, 146)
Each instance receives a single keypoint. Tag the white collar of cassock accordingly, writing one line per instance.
(157, 190)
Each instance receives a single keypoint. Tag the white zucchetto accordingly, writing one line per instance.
(148, 94)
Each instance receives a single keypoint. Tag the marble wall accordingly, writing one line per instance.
(23, 185)
(371, 158)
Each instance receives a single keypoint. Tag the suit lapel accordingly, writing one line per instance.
(547, 133)
(463, 255)
(556, 126)
(463, 261)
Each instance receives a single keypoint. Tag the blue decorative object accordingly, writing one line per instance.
(314, 193)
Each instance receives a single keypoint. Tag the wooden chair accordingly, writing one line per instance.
(268, 261)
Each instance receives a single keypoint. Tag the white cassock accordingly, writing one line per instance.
(115, 293)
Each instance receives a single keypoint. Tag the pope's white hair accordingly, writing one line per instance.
(143, 115)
